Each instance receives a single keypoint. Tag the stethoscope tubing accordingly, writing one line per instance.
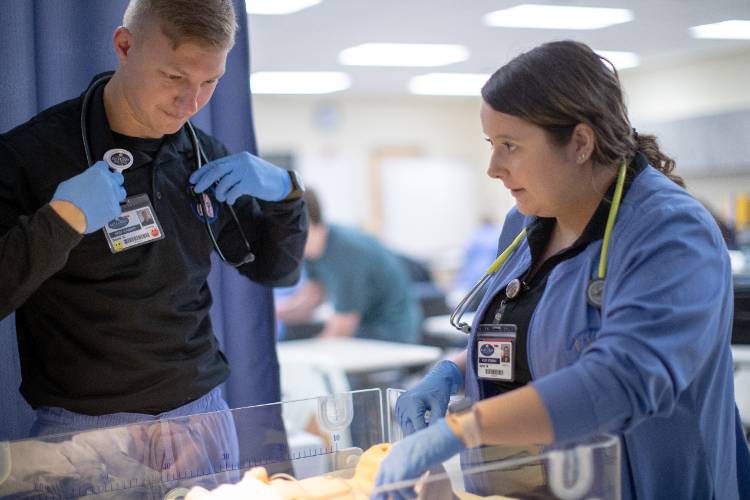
(200, 159)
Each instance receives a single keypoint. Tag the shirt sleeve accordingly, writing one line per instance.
(276, 231)
(33, 246)
(666, 318)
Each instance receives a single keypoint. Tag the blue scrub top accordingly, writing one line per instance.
(654, 365)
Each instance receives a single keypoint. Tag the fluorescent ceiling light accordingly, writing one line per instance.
(298, 82)
(278, 7)
(448, 84)
(403, 54)
(557, 17)
(621, 60)
(733, 29)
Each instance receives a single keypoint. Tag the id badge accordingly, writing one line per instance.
(137, 225)
(496, 352)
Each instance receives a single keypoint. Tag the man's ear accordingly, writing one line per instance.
(582, 143)
(122, 40)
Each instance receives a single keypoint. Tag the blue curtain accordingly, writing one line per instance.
(49, 51)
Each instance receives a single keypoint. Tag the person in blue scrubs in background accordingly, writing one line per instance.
(365, 282)
(650, 361)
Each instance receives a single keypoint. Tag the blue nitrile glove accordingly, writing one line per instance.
(241, 174)
(97, 192)
(432, 393)
(415, 454)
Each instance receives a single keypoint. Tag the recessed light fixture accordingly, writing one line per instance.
(458, 84)
(621, 60)
(733, 29)
(298, 82)
(557, 17)
(403, 54)
(278, 7)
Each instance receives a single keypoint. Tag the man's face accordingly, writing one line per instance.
(164, 86)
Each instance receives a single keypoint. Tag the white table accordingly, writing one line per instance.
(318, 367)
(354, 355)
(741, 356)
(440, 327)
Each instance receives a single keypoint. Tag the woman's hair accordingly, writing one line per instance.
(558, 85)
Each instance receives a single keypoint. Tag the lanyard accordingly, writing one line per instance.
(593, 290)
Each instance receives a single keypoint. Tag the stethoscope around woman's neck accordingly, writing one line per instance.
(595, 288)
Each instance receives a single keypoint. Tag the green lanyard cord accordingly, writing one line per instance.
(611, 220)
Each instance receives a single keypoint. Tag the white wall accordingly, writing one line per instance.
(709, 85)
(336, 138)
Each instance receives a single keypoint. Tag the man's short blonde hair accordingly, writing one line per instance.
(210, 23)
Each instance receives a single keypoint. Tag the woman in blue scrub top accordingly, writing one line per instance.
(645, 352)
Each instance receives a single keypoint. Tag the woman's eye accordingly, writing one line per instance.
(510, 147)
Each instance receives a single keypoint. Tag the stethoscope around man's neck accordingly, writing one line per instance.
(88, 95)
(595, 288)
(200, 158)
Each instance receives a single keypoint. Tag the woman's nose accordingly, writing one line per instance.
(495, 170)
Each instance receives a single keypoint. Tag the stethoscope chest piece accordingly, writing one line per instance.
(513, 289)
(118, 159)
(595, 291)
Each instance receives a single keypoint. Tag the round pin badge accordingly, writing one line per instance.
(513, 288)
(118, 159)
(595, 291)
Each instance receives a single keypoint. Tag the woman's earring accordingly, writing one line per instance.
(581, 158)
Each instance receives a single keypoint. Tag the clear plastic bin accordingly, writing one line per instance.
(322, 436)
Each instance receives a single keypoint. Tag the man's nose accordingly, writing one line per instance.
(187, 101)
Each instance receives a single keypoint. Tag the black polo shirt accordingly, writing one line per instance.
(518, 311)
(99, 332)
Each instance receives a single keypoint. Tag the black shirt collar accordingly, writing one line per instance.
(539, 229)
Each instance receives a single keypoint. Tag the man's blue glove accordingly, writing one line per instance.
(240, 174)
(414, 455)
(97, 192)
(432, 393)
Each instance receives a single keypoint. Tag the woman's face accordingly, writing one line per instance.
(542, 177)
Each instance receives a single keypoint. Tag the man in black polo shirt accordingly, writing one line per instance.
(106, 270)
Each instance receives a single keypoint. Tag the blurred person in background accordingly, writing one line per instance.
(366, 284)
(614, 296)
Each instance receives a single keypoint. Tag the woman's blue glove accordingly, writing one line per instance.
(97, 192)
(432, 393)
(240, 174)
(414, 455)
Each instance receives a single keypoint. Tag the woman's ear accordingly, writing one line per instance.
(582, 143)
